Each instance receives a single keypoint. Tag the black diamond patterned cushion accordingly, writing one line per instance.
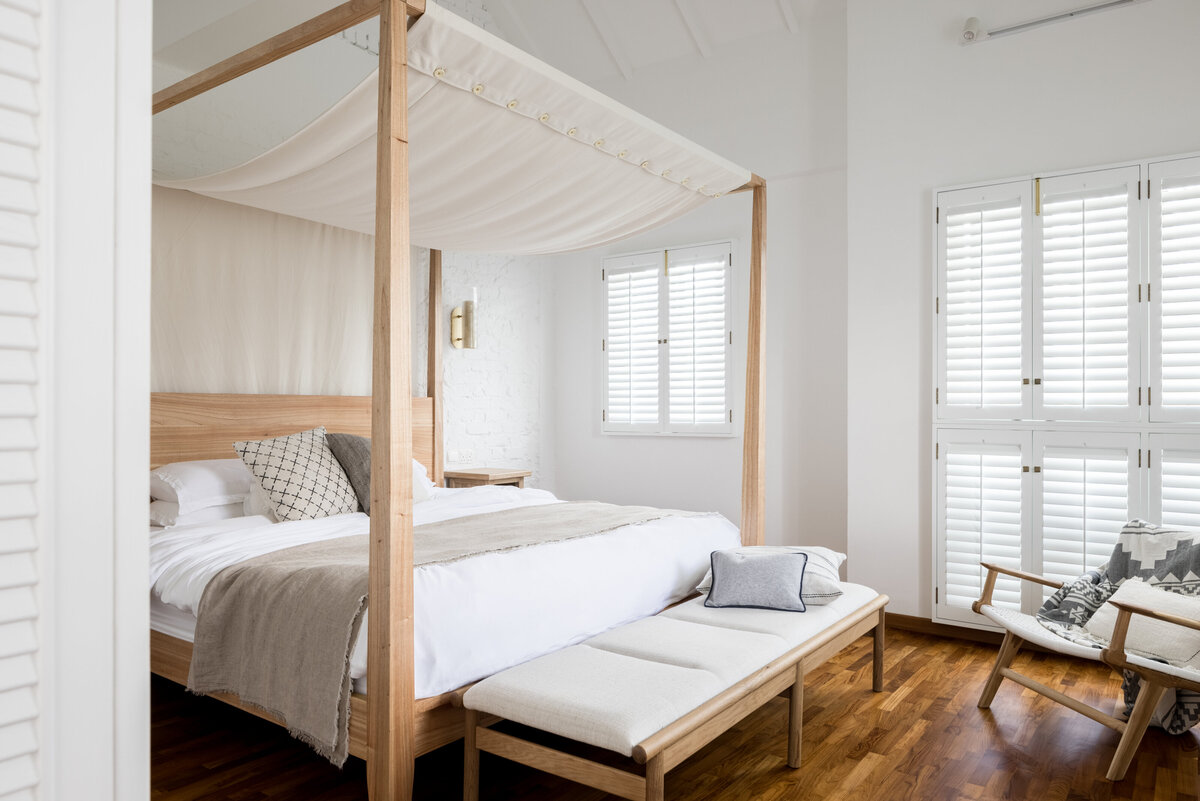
(300, 475)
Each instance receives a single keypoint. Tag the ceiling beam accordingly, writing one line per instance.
(598, 13)
(789, 16)
(693, 28)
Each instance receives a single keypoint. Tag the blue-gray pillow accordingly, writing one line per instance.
(762, 580)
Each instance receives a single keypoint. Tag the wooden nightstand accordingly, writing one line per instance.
(485, 476)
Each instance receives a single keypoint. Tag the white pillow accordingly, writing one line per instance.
(422, 486)
(258, 503)
(166, 513)
(822, 584)
(201, 484)
(1148, 637)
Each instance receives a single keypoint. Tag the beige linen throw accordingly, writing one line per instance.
(278, 630)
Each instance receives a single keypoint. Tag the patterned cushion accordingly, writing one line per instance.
(300, 475)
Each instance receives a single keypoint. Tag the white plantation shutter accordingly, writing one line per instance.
(1174, 462)
(19, 143)
(1090, 269)
(1175, 290)
(698, 340)
(980, 516)
(631, 344)
(1089, 489)
(981, 309)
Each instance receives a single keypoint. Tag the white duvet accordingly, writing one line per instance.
(480, 615)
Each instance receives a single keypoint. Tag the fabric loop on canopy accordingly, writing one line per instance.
(506, 155)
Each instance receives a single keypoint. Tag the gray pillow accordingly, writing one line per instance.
(762, 580)
(354, 454)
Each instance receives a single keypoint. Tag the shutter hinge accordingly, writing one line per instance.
(603, 345)
(1147, 292)
(1139, 293)
(1139, 190)
(665, 263)
(604, 415)
(1037, 468)
(1139, 457)
(1147, 189)
(937, 395)
(937, 305)
(1037, 381)
(602, 277)
(937, 215)
(937, 450)
(936, 594)
(1139, 396)
(1037, 197)
(1149, 454)
(1024, 468)
(731, 415)
(730, 337)
(1024, 381)
(1149, 396)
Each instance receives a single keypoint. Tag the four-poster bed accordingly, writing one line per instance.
(638, 191)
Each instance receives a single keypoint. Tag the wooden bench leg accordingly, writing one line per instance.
(470, 758)
(1008, 652)
(796, 718)
(877, 667)
(656, 779)
(1139, 719)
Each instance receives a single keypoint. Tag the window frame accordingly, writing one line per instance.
(625, 262)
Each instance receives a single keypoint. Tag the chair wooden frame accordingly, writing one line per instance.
(1154, 683)
(391, 748)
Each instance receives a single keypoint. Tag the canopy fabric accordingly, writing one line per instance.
(506, 155)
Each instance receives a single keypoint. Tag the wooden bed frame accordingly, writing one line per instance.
(392, 731)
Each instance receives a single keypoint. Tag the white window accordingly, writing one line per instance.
(1067, 372)
(667, 341)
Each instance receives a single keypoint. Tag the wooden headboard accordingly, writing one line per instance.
(186, 426)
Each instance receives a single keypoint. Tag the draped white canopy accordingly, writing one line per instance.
(506, 155)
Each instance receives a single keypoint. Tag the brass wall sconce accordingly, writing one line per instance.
(462, 322)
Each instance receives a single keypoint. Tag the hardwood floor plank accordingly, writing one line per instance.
(923, 738)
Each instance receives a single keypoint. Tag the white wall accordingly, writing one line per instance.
(925, 112)
(249, 301)
(775, 104)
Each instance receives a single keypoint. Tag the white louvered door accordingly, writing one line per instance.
(698, 339)
(1087, 269)
(631, 345)
(1174, 286)
(1087, 488)
(1174, 469)
(982, 303)
(19, 397)
(982, 510)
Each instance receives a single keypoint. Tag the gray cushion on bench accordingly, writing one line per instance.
(620, 687)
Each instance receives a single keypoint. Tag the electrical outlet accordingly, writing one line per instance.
(468, 455)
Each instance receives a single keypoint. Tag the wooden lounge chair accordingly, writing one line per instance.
(1021, 628)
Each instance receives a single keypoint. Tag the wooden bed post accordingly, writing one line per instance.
(433, 373)
(390, 736)
(753, 444)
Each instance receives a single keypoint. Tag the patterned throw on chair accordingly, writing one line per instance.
(1166, 558)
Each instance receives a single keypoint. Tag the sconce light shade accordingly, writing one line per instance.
(462, 323)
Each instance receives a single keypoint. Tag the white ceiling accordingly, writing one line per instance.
(588, 39)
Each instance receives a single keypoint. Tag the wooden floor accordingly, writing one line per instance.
(922, 738)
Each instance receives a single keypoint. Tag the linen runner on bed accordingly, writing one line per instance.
(278, 630)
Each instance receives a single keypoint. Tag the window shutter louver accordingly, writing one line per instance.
(981, 292)
(1089, 490)
(1175, 479)
(1089, 270)
(632, 347)
(697, 338)
(1175, 299)
(19, 142)
(981, 508)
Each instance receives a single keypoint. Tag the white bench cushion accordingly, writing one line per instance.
(620, 687)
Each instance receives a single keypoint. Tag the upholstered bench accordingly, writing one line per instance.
(660, 689)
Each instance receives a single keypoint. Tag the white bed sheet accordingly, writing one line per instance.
(475, 616)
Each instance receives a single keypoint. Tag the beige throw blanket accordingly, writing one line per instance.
(278, 630)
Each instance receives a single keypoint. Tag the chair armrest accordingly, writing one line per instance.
(989, 583)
